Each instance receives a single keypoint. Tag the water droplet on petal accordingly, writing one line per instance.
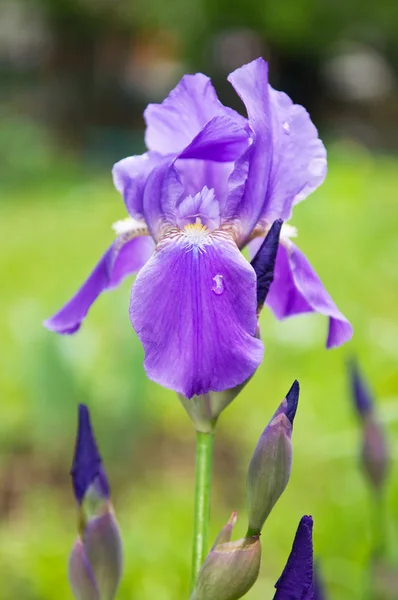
(218, 287)
(286, 128)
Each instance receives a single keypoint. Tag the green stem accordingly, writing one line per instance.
(204, 460)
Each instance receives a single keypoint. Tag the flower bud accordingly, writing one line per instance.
(95, 564)
(270, 466)
(360, 391)
(264, 262)
(229, 571)
(374, 452)
(296, 581)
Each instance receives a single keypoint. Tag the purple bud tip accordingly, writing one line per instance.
(87, 464)
(292, 398)
(295, 583)
(264, 261)
(359, 388)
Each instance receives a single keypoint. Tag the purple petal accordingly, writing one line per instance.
(203, 206)
(221, 140)
(115, 264)
(251, 83)
(173, 124)
(129, 177)
(196, 174)
(197, 326)
(298, 158)
(297, 289)
(87, 469)
(295, 583)
(361, 393)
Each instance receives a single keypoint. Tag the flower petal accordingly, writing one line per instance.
(295, 583)
(251, 83)
(129, 177)
(297, 289)
(298, 157)
(221, 140)
(197, 326)
(173, 124)
(120, 260)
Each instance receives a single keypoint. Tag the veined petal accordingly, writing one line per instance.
(297, 289)
(251, 83)
(299, 157)
(197, 325)
(129, 177)
(173, 124)
(120, 260)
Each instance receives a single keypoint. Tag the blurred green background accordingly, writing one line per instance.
(75, 76)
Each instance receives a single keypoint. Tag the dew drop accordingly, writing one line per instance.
(286, 128)
(218, 287)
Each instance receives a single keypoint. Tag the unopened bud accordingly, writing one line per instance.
(95, 564)
(264, 262)
(296, 581)
(229, 571)
(374, 452)
(360, 391)
(270, 466)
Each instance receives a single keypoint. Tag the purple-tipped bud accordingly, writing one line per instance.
(229, 571)
(264, 262)
(87, 470)
(295, 583)
(361, 394)
(95, 563)
(271, 463)
(374, 452)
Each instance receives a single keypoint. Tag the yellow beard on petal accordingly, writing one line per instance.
(196, 235)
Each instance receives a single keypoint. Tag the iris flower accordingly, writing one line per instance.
(210, 183)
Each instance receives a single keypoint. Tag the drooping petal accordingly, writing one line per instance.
(193, 307)
(120, 260)
(297, 289)
(173, 124)
(298, 157)
(253, 168)
(129, 177)
(295, 583)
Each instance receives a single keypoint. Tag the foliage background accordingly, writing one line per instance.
(75, 77)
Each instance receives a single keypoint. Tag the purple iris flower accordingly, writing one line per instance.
(296, 581)
(211, 182)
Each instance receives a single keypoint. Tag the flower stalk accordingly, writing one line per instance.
(204, 462)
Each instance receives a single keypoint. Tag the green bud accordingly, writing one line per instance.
(229, 571)
(103, 548)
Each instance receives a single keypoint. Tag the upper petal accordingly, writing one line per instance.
(130, 176)
(297, 289)
(253, 168)
(172, 125)
(120, 260)
(298, 157)
(194, 309)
